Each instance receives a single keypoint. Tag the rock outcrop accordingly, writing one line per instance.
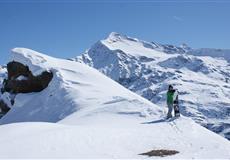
(4, 107)
(21, 80)
(15, 69)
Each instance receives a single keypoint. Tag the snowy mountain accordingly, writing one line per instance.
(148, 68)
(219, 53)
(84, 114)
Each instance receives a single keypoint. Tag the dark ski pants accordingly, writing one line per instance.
(170, 108)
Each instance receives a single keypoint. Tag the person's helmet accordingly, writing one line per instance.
(170, 87)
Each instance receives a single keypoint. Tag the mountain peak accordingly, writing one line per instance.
(185, 46)
(114, 36)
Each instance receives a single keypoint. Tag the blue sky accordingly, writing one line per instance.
(67, 28)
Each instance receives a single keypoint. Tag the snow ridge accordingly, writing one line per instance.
(83, 88)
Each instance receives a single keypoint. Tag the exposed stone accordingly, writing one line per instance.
(16, 69)
(160, 153)
(3, 106)
(31, 84)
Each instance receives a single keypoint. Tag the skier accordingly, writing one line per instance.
(172, 102)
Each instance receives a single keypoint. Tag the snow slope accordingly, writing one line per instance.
(109, 136)
(95, 118)
(75, 87)
(148, 68)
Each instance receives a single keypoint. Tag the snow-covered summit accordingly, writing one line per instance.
(114, 36)
(116, 41)
(166, 48)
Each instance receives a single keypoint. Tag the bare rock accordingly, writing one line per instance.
(30, 84)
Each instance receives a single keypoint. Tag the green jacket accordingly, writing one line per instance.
(170, 95)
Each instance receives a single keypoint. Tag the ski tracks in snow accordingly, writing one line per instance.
(174, 126)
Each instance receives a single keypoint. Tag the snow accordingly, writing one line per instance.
(6, 98)
(3, 72)
(74, 87)
(20, 78)
(110, 136)
(130, 46)
(3, 75)
(37, 62)
(147, 69)
(84, 114)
